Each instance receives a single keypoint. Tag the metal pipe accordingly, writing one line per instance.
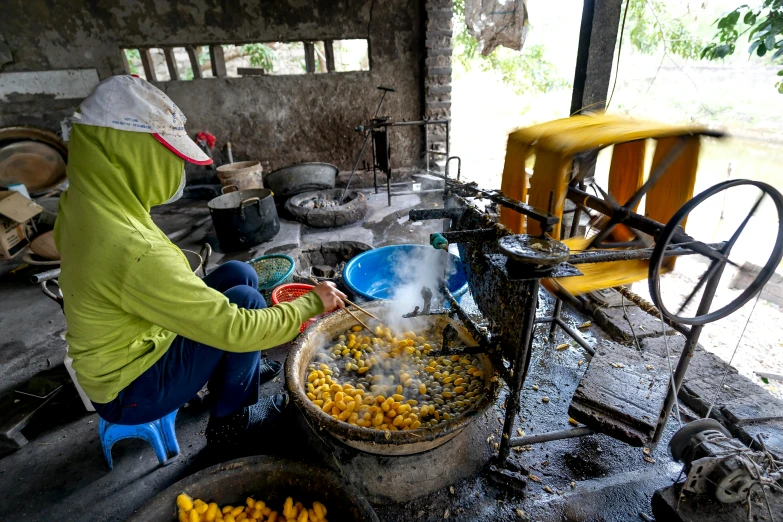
(45, 276)
(576, 336)
(356, 164)
(426, 149)
(519, 367)
(555, 317)
(550, 436)
(625, 255)
(480, 337)
(687, 351)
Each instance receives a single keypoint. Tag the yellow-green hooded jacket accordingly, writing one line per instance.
(128, 291)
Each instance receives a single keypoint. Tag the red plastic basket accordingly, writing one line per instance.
(289, 292)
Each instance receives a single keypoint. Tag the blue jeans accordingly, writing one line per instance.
(187, 365)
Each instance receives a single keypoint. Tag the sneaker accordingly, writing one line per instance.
(268, 370)
(232, 429)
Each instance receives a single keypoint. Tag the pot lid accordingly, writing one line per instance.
(39, 166)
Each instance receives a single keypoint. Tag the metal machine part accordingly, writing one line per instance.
(719, 465)
(504, 271)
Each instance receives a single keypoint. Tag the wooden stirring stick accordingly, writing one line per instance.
(346, 309)
(315, 281)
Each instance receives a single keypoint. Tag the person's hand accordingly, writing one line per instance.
(330, 296)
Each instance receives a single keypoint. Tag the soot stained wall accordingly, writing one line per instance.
(278, 120)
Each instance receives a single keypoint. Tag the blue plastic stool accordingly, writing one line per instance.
(159, 433)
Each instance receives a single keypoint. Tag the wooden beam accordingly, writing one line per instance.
(595, 54)
(123, 61)
(309, 57)
(218, 61)
(194, 65)
(171, 62)
(329, 48)
(149, 66)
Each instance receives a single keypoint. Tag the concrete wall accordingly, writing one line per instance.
(277, 119)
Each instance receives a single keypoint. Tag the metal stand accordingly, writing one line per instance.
(504, 271)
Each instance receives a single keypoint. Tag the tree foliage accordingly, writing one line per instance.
(260, 55)
(650, 27)
(764, 27)
(524, 71)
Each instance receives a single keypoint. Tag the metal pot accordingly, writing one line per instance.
(244, 218)
(394, 443)
(267, 478)
(305, 177)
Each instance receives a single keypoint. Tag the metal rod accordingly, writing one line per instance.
(555, 317)
(374, 170)
(388, 183)
(550, 436)
(480, 337)
(625, 255)
(356, 164)
(576, 336)
(45, 276)
(545, 218)
(687, 351)
(426, 149)
(519, 368)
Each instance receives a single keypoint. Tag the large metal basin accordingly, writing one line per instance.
(305, 177)
(265, 478)
(308, 344)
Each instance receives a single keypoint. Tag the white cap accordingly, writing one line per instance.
(130, 103)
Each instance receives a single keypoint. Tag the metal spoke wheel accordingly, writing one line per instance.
(673, 235)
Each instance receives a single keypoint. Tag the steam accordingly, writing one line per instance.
(413, 270)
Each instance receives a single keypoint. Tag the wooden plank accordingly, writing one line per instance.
(309, 49)
(171, 63)
(194, 65)
(218, 61)
(621, 393)
(148, 64)
(329, 49)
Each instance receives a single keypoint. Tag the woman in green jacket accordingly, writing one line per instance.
(145, 334)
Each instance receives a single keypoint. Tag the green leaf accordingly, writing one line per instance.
(748, 17)
(754, 46)
(777, 53)
(780, 73)
(762, 50)
(779, 85)
(722, 50)
(769, 42)
(765, 380)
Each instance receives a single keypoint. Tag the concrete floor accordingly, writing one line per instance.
(61, 474)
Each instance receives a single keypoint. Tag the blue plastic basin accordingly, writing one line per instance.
(378, 273)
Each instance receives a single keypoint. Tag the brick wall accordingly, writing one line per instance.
(437, 78)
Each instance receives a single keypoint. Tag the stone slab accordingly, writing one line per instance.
(771, 433)
(657, 345)
(621, 393)
(616, 325)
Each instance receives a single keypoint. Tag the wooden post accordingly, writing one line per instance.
(124, 61)
(309, 49)
(149, 66)
(171, 62)
(218, 61)
(595, 54)
(194, 65)
(329, 49)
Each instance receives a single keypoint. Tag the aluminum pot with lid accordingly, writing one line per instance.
(244, 218)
